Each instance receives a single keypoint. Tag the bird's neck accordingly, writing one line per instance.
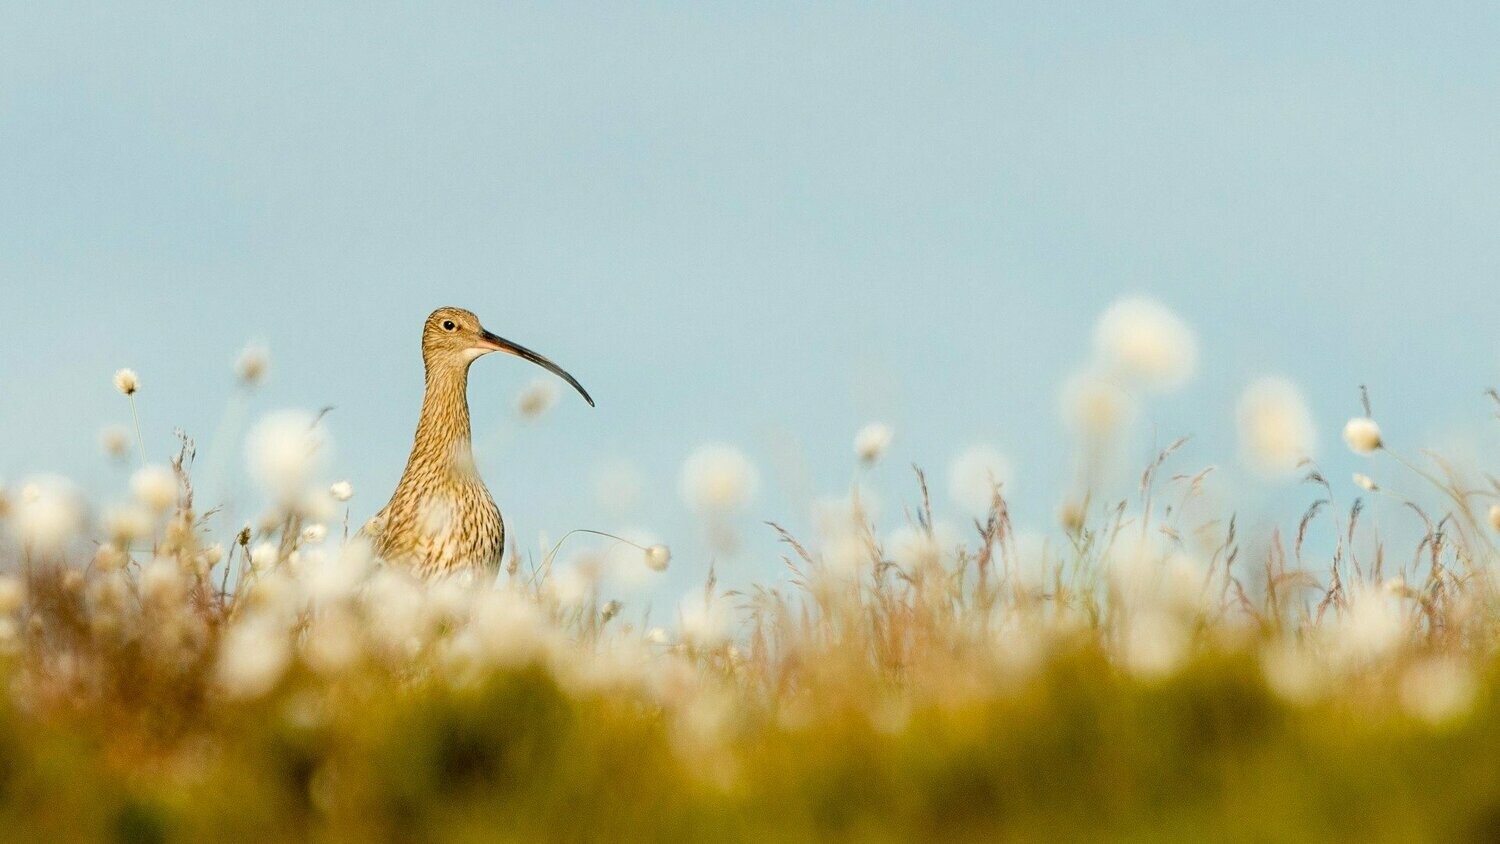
(443, 439)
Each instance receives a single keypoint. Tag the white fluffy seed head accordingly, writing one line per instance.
(1365, 482)
(155, 487)
(916, 550)
(704, 619)
(872, 442)
(12, 593)
(1071, 515)
(1154, 643)
(338, 577)
(1439, 690)
(1095, 408)
(332, 643)
(1275, 427)
(264, 556)
(341, 491)
(162, 582)
(1362, 435)
(658, 557)
(252, 364)
(1145, 341)
(1494, 517)
(127, 382)
(718, 478)
(974, 475)
(253, 656)
(285, 450)
(114, 442)
(538, 398)
(48, 512)
(128, 524)
(571, 585)
(314, 533)
(1370, 628)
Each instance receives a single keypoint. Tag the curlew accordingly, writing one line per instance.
(441, 518)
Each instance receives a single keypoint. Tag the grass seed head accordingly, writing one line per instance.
(1144, 341)
(252, 364)
(872, 442)
(127, 382)
(1362, 435)
(718, 478)
(1275, 427)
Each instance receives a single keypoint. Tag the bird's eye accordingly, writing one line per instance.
(448, 325)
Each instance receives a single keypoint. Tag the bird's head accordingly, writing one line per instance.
(453, 338)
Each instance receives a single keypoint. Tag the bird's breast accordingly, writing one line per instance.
(444, 527)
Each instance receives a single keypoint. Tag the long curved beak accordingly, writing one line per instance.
(495, 343)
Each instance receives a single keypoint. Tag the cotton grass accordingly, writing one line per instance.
(1144, 341)
(1275, 427)
(899, 643)
(974, 476)
(718, 478)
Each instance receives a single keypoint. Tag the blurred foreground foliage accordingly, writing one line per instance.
(1079, 751)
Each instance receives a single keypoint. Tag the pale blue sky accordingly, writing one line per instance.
(760, 223)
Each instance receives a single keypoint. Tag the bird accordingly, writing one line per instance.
(441, 518)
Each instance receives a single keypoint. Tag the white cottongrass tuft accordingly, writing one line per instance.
(127, 382)
(1396, 587)
(285, 450)
(538, 398)
(1071, 515)
(1438, 690)
(314, 534)
(1362, 435)
(842, 524)
(718, 478)
(1494, 517)
(341, 491)
(127, 524)
(48, 513)
(872, 442)
(1154, 643)
(1365, 482)
(915, 549)
(1292, 673)
(264, 557)
(1372, 626)
(1145, 341)
(155, 487)
(114, 441)
(570, 586)
(339, 576)
(253, 656)
(973, 476)
(252, 364)
(1095, 408)
(704, 619)
(658, 557)
(12, 593)
(332, 643)
(162, 582)
(1275, 427)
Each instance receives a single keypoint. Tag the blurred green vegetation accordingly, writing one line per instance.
(1080, 751)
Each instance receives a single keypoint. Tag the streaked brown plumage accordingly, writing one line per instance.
(441, 518)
